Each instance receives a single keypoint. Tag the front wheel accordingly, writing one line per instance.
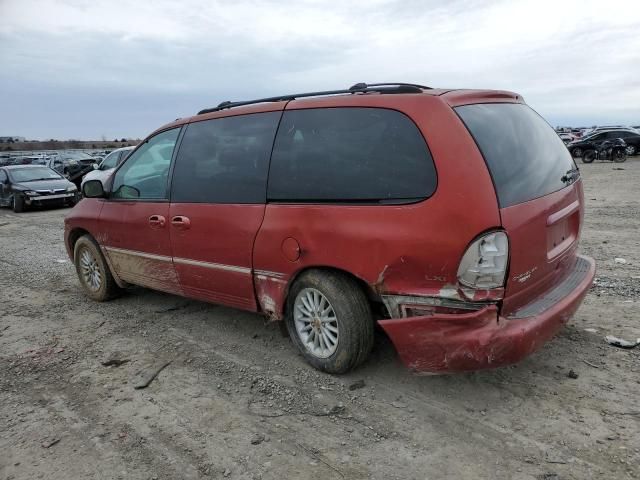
(619, 155)
(329, 320)
(93, 271)
(631, 150)
(576, 152)
(18, 203)
(589, 156)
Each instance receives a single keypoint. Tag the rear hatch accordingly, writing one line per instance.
(539, 193)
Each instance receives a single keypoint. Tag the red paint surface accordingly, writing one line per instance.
(478, 340)
(126, 225)
(409, 249)
(392, 249)
(221, 234)
(540, 250)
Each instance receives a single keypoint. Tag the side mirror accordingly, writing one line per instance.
(93, 189)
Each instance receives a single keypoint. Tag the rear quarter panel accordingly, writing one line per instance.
(408, 249)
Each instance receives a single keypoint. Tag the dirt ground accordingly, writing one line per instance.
(237, 401)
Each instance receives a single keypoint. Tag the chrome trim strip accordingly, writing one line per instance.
(216, 266)
(188, 261)
(150, 256)
(267, 273)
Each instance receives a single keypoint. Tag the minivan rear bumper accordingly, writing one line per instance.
(443, 343)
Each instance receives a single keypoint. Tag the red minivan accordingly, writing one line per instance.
(450, 218)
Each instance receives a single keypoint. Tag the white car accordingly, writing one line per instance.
(107, 165)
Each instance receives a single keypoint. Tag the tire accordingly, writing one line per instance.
(619, 155)
(576, 152)
(353, 324)
(18, 203)
(631, 150)
(93, 271)
(589, 156)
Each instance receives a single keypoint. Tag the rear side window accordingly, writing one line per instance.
(225, 160)
(524, 154)
(350, 155)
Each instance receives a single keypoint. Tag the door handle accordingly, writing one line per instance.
(180, 221)
(157, 221)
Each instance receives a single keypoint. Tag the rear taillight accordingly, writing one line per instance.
(484, 264)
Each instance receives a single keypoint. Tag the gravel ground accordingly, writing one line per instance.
(237, 401)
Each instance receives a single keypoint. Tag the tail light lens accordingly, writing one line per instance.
(484, 264)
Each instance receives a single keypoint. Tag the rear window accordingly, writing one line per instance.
(350, 155)
(524, 154)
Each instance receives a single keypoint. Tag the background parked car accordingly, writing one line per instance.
(107, 165)
(630, 136)
(566, 138)
(25, 185)
(72, 165)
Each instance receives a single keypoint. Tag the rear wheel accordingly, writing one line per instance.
(631, 150)
(93, 271)
(18, 203)
(589, 156)
(619, 155)
(329, 320)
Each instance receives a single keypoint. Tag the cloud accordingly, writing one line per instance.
(573, 61)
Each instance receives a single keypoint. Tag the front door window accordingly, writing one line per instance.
(145, 173)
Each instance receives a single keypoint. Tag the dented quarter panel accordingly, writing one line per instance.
(271, 292)
(408, 249)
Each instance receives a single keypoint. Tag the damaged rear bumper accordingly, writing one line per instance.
(442, 343)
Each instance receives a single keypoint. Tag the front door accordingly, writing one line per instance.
(134, 220)
(218, 197)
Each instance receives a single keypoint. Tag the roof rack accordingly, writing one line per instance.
(395, 87)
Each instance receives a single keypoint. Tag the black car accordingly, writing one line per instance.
(72, 165)
(631, 138)
(26, 185)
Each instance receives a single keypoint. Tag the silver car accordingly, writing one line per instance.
(105, 168)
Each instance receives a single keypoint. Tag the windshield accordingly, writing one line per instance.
(30, 174)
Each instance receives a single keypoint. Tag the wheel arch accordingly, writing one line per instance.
(273, 293)
(73, 237)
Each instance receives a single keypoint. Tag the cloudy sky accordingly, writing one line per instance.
(121, 68)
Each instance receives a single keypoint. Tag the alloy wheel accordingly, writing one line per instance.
(316, 323)
(91, 274)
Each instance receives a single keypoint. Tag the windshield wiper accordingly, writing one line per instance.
(39, 179)
(570, 175)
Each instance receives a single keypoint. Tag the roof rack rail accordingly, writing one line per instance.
(357, 88)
